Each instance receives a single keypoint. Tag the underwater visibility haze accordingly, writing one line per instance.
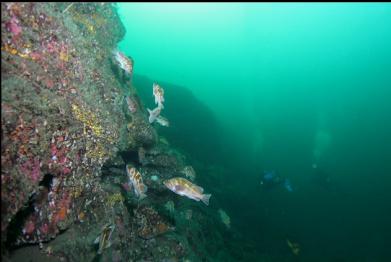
(196, 131)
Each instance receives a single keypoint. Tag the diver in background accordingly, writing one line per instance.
(271, 180)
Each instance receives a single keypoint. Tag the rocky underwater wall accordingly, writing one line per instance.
(67, 131)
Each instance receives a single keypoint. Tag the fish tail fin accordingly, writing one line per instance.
(205, 198)
(143, 191)
(142, 196)
(96, 240)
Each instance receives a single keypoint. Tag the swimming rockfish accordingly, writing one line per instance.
(184, 187)
(189, 172)
(123, 61)
(104, 238)
(162, 121)
(158, 92)
(153, 114)
(136, 181)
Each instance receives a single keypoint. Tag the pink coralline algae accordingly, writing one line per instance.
(44, 229)
(59, 157)
(32, 169)
(66, 170)
(29, 227)
(13, 26)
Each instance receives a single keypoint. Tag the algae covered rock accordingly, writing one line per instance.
(57, 91)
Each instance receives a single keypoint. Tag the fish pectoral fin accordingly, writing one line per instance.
(96, 241)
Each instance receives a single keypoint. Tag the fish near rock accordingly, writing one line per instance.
(124, 62)
(104, 239)
(162, 121)
(189, 172)
(158, 93)
(225, 218)
(184, 187)
(153, 114)
(136, 181)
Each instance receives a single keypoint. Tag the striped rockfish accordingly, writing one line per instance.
(158, 93)
(124, 62)
(104, 238)
(184, 187)
(136, 181)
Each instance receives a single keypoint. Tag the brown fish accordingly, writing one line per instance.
(158, 93)
(123, 61)
(136, 181)
(184, 187)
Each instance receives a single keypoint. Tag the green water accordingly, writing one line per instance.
(303, 89)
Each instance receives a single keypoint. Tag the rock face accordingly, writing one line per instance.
(70, 121)
(58, 89)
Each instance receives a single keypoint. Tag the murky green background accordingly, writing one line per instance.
(291, 87)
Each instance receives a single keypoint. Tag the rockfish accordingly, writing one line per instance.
(189, 172)
(104, 238)
(184, 187)
(136, 181)
(158, 93)
(225, 218)
(153, 114)
(124, 62)
(162, 121)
